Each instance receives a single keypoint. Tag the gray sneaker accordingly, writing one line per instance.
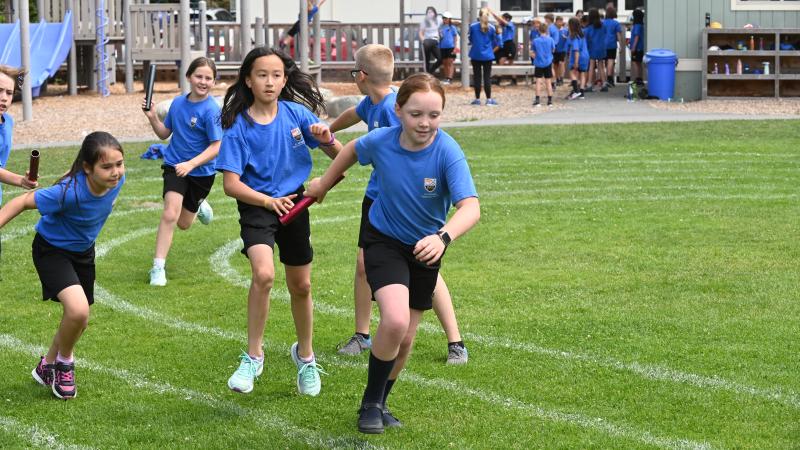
(457, 354)
(355, 345)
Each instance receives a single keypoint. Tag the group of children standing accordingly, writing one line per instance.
(260, 142)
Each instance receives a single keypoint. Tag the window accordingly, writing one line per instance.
(516, 5)
(630, 5)
(765, 5)
(555, 6)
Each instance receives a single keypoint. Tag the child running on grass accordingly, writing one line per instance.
(8, 81)
(542, 54)
(421, 172)
(373, 76)
(269, 126)
(73, 211)
(188, 170)
(577, 59)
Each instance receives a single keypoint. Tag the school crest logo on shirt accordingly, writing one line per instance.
(376, 124)
(193, 122)
(430, 184)
(297, 135)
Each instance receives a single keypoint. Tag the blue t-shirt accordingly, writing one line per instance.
(6, 132)
(272, 159)
(554, 33)
(563, 36)
(533, 35)
(509, 32)
(194, 126)
(377, 116)
(543, 46)
(638, 30)
(416, 188)
(596, 42)
(72, 218)
(448, 34)
(482, 44)
(578, 44)
(613, 28)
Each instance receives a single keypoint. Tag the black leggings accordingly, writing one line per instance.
(433, 58)
(486, 67)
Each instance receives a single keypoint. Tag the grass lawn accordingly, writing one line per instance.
(637, 292)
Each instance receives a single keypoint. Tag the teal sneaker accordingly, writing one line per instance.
(249, 369)
(204, 213)
(158, 276)
(308, 382)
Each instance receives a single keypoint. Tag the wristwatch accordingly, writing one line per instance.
(444, 237)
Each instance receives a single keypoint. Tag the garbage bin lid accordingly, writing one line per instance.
(661, 53)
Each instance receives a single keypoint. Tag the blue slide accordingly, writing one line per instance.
(50, 45)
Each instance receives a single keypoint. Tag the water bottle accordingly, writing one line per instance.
(716, 69)
(766, 68)
(727, 69)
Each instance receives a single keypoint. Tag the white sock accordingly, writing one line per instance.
(159, 263)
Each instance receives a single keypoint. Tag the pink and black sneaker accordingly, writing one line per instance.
(64, 381)
(43, 373)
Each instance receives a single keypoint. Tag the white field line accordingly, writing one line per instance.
(307, 436)
(633, 156)
(703, 176)
(108, 299)
(641, 198)
(35, 434)
(598, 170)
(634, 189)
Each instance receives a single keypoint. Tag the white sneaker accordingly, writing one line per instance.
(158, 276)
(308, 382)
(204, 213)
(243, 378)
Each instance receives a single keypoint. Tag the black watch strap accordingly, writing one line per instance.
(444, 237)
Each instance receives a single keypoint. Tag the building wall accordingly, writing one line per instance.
(677, 25)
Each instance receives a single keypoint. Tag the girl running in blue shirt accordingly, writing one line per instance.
(264, 160)
(73, 211)
(408, 229)
(193, 123)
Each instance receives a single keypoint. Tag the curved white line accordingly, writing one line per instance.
(37, 435)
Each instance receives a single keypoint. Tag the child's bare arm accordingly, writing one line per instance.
(345, 120)
(205, 156)
(233, 187)
(9, 177)
(16, 206)
(158, 126)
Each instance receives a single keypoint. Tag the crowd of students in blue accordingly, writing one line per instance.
(260, 140)
(583, 49)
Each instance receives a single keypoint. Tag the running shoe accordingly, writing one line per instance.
(491, 102)
(249, 369)
(574, 95)
(158, 276)
(370, 418)
(356, 345)
(204, 213)
(536, 104)
(476, 102)
(457, 354)
(308, 382)
(43, 373)
(64, 381)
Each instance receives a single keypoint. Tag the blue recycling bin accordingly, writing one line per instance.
(661, 65)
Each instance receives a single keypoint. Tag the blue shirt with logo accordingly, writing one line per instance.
(6, 133)
(194, 126)
(578, 44)
(448, 34)
(543, 46)
(377, 116)
(563, 36)
(637, 30)
(509, 32)
(272, 159)
(416, 187)
(482, 44)
(613, 28)
(554, 33)
(72, 216)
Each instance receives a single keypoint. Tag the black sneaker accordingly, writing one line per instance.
(549, 103)
(536, 104)
(390, 421)
(370, 418)
(64, 381)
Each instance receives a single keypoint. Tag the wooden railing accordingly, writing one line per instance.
(85, 17)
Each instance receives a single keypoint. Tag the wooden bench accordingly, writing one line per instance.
(513, 70)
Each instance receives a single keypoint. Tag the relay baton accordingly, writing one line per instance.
(149, 83)
(302, 205)
(33, 168)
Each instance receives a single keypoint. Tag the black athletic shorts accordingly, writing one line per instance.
(261, 226)
(448, 53)
(362, 229)
(543, 72)
(559, 57)
(59, 269)
(193, 189)
(508, 50)
(388, 261)
(611, 53)
(637, 56)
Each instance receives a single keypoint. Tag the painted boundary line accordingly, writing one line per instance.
(36, 435)
(307, 436)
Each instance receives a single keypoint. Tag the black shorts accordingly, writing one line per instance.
(637, 56)
(388, 261)
(543, 72)
(193, 189)
(448, 53)
(559, 57)
(59, 268)
(508, 50)
(611, 53)
(261, 226)
(362, 229)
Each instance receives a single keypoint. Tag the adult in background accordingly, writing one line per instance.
(312, 8)
(429, 36)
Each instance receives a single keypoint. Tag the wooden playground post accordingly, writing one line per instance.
(465, 14)
(303, 46)
(259, 31)
(25, 43)
(318, 45)
(72, 81)
(244, 30)
(126, 4)
(186, 50)
(201, 6)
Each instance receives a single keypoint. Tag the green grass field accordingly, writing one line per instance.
(638, 292)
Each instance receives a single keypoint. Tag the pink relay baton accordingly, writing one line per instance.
(302, 205)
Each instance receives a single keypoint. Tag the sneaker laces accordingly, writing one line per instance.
(455, 351)
(65, 376)
(248, 365)
(353, 338)
(308, 370)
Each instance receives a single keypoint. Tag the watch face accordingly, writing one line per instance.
(445, 237)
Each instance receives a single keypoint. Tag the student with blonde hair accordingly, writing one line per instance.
(482, 40)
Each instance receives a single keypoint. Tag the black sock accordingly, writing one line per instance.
(574, 85)
(461, 343)
(550, 99)
(537, 98)
(365, 336)
(377, 375)
(389, 384)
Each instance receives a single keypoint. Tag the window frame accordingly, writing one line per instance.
(765, 5)
(578, 4)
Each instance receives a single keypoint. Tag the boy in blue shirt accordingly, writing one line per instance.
(559, 57)
(447, 45)
(637, 46)
(542, 54)
(555, 35)
(614, 34)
